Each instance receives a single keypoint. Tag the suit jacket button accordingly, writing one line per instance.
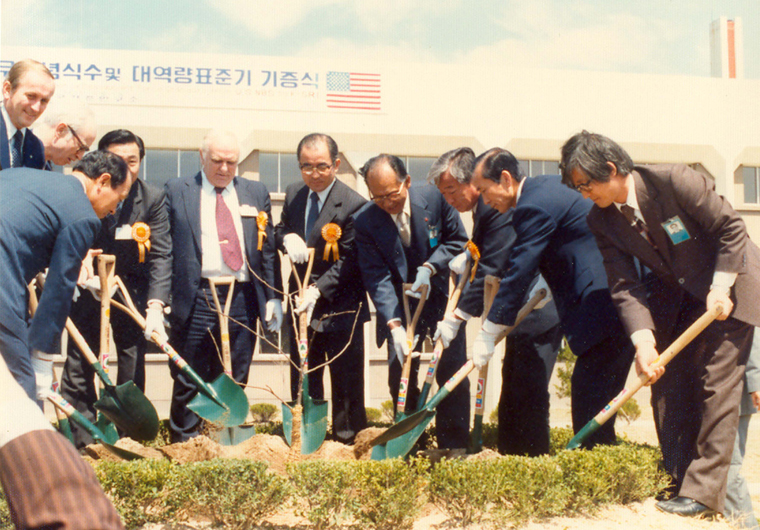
(681, 280)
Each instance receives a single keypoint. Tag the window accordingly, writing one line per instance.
(159, 165)
(751, 177)
(533, 168)
(278, 170)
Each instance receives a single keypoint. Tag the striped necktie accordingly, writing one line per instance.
(630, 216)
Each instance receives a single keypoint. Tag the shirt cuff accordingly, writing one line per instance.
(642, 335)
(429, 266)
(493, 328)
(462, 315)
(723, 280)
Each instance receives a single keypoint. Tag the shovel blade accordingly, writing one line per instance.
(234, 435)
(313, 424)
(107, 430)
(234, 403)
(128, 408)
(399, 446)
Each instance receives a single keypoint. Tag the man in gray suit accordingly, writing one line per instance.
(317, 214)
(697, 254)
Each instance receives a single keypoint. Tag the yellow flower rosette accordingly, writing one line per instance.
(475, 254)
(261, 222)
(141, 234)
(331, 234)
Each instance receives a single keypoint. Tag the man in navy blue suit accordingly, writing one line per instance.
(48, 222)
(532, 347)
(27, 89)
(409, 234)
(221, 225)
(552, 236)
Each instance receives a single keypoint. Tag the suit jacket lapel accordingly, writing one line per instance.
(299, 211)
(136, 204)
(653, 215)
(5, 152)
(388, 240)
(419, 224)
(333, 202)
(192, 199)
(250, 227)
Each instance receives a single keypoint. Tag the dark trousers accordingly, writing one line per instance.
(78, 380)
(696, 405)
(18, 357)
(452, 422)
(599, 375)
(346, 377)
(524, 402)
(198, 341)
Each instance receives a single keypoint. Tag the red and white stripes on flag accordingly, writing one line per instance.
(352, 90)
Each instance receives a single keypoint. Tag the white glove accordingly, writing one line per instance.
(295, 247)
(42, 364)
(485, 343)
(273, 317)
(541, 284)
(93, 285)
(154, 321)
(77, 292)
(400, 344)
(447, 330)
(310, 298)
(423, 278)
(458, 264)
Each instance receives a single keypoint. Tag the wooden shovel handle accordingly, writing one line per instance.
(224, 317)
(106, 266)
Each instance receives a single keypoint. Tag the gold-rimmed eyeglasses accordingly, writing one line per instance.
(82, 146)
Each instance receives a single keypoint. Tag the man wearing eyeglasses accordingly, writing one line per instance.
(552, 236)
(670, 219)
(317, 214)
(27, 90)
(67, 131)
(409, 235)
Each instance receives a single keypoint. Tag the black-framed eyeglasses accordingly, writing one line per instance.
(585, 186)
(322, 169)
(387, 196)
(82, 146)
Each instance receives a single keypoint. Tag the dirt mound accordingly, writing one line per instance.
(196, 449)
(362, 449)
(263, 448)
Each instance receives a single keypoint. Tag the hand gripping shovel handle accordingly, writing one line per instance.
(411, 321)
(224, 317)
(129, 308)
(455, 291)
(627, 393)
(303, 324)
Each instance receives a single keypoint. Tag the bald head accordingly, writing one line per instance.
(220, 153)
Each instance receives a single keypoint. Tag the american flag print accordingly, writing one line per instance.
(352, 90)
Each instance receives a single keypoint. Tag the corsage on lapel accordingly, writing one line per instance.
(261, 222)
(141, 234)
(475, 253)
(331, 234)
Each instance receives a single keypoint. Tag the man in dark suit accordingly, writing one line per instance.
(335, 290)
(27, 89)
(696, 249)
(220, 225)
(48, 222)
(409, 234)
(552, 236)
(143, 262)
(46, 483)
(532, 347)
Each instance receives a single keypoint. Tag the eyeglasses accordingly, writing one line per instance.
(584, 187)
(82, 146)
(387, 196)
(322, 169)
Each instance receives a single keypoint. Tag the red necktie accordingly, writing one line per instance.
(228, 238)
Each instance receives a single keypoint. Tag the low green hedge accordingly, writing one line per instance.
(390, 494)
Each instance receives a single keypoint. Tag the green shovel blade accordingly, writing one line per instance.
(313, 424)
(223, 402)
(128, 408)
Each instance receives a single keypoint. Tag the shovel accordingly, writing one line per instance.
(228, 435)
(86, 424)
(403, 387)
(627, 393)
(455, 290)
(222, 401)
(124, 405)
(399, 439)
(314, 414)
(490, 288)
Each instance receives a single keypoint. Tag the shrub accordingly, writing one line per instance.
(565, 366)
(263, 412)
(630, 411)
(387, 409)
(5, 512)
(389, 493)
(135, 489)
(461, 489)
(494, 416)
(232, 493)
(373, 414)
(325, 488)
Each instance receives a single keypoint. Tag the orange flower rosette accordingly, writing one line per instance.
(331, 234)
(475, 254)
(261, 222)
(141, 234)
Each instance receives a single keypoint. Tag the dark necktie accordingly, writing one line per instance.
(228, 238)
(16, 149)
(630, 216)
(311, 219)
